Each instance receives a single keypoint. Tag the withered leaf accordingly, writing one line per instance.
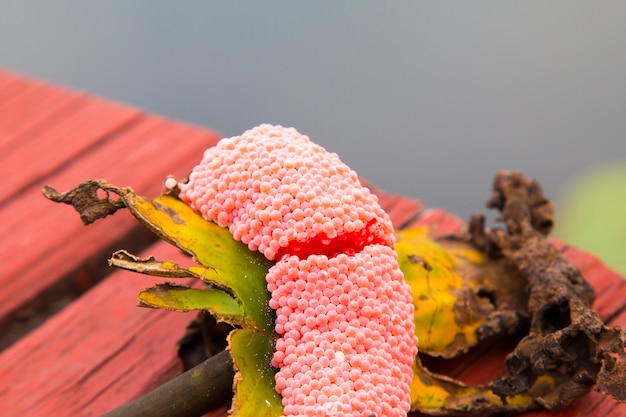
(461, 297)
(567, 341)
(86, 201)
(150, 266)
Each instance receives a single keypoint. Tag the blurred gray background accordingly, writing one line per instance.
(426, 99)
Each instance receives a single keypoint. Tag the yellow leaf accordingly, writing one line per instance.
(441, 297)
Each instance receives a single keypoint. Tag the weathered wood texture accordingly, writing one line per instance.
(101, 351)
(68, 140)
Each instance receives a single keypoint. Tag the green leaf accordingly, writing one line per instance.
(592, 214)
(229, 263)
(181, 298)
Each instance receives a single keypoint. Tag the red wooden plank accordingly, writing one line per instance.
(6, 77)
(400, 209)
(100, 352)
(403, 210)
(440, 222)
(611, 301)
(44, 242)
(592, 404)
(35, 156)
(35, 108)
(609, 285)
(15, 85)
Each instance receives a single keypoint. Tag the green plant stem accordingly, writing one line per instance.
(191, 394)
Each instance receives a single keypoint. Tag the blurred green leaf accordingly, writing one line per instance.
(592, 214)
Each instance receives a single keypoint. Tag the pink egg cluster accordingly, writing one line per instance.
(280, 193)
(344, 314)
(346, 342)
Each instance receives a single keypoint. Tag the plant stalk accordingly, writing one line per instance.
(191, 394)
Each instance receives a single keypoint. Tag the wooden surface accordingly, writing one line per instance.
(74, 344)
